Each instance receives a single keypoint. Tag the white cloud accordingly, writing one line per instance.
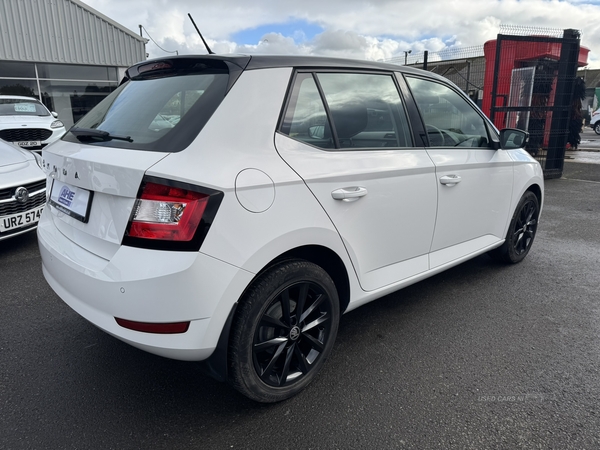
(376, 29)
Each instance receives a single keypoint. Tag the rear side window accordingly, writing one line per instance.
(451, 121)
(365, 111)
(162, 111)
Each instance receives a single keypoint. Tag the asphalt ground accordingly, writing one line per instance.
(482, 356)
(589, 140)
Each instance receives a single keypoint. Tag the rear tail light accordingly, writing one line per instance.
(168, 213)
(171, 216)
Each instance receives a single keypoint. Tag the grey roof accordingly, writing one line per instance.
(65, 31)
(259, 61)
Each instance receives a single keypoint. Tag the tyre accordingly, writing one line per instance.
(283, 331)
(521, 231)
(597, 127)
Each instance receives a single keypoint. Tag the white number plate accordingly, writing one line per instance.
(20, 220)
(28, 143)
(71, 200)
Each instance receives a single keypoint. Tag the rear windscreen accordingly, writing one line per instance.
(162, 110)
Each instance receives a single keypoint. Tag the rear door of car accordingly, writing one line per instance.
(347, 135)
(474, 180)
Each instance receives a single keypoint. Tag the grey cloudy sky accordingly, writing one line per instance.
(376, 29)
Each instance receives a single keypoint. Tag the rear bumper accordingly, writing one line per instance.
(145, 286)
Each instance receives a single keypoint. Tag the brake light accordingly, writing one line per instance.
(171, 215)
(167, 213)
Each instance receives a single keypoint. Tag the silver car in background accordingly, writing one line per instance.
(22, 190)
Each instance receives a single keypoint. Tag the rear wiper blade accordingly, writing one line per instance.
(90, 134)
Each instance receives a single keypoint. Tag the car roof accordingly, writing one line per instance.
(253, 62)
(270, 61)
(18, 97)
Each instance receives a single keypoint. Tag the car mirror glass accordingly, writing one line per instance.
(511, 138)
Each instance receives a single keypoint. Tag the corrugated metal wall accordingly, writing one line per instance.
(64, 31)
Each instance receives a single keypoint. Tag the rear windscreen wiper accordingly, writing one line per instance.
(90, 134)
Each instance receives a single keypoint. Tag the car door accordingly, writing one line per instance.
(474, 180)
(347, 135)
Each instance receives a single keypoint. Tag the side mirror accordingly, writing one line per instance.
(511, 138)
(54, 114)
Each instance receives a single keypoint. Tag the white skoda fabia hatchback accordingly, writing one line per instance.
(230, 208)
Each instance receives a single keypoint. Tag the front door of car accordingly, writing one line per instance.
(474, 181)
(347, 136)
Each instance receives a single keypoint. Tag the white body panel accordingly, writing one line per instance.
(113, 175)
(17, 166)
(276, 198)
(100, 291)
(477, 207)
(388, 231)
(96, 263)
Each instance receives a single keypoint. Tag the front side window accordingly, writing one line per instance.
(450, 120)
(365, 111)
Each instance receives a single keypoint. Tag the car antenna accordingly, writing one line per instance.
(210, 52)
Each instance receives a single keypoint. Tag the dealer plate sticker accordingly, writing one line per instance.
(71, 200)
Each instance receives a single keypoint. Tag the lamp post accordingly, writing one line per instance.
(406, 52)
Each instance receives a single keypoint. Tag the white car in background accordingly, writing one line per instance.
(595, 121)
(26, 122)
(22, 190)
(231, 208)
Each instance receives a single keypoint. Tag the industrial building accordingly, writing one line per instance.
(64, 53)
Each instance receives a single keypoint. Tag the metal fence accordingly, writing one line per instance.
(532, 89)
(523, 79)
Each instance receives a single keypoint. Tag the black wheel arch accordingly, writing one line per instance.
(537, 190)
(216, 365)
(328, 260)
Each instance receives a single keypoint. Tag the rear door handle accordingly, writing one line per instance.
(450, 180)
(349, 194)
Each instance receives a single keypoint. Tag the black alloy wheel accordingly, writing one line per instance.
(597, 127)
(284, 330)
(521, 231)
(525, 227)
